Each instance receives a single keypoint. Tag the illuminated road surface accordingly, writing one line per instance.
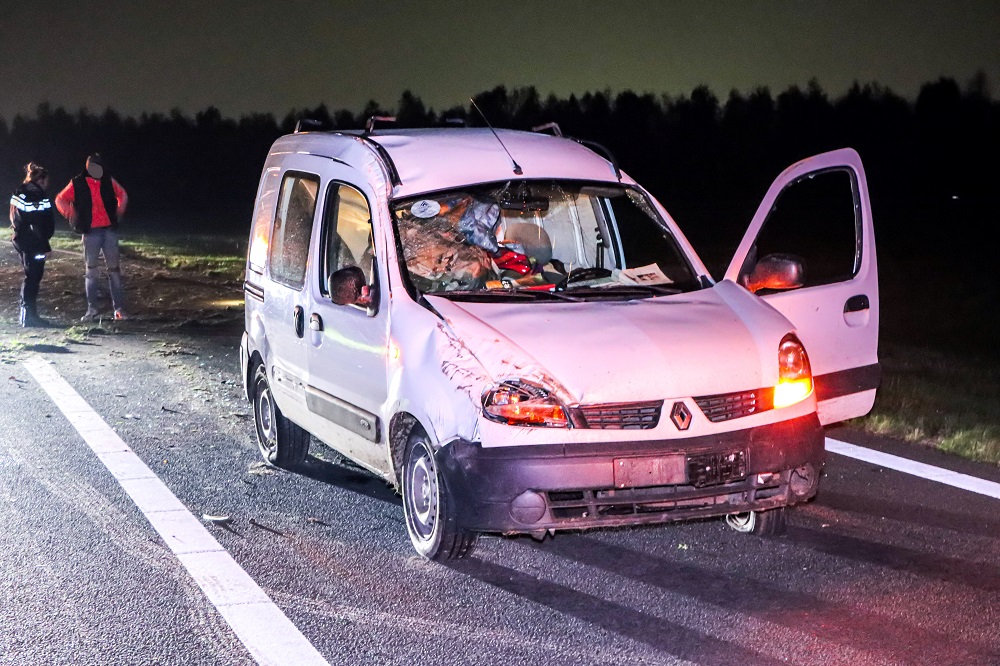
(884, 568)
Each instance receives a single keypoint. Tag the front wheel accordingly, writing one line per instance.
(431, 515)
(763, 523)
(281, 442)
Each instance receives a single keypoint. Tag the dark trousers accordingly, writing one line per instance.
(34, 268)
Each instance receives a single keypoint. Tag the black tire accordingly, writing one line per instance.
(281, 442)
(431, 517)
(762, 523)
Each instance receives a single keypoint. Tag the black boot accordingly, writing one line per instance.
(30, 318)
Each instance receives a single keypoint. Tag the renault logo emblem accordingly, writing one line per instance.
(681, 416)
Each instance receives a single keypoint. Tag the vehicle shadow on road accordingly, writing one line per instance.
(346, 476)
(978, 575)
(911, 513)
(659, 633)
(766, 601)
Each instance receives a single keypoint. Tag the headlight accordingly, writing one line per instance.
(519, 403)
(794, 374)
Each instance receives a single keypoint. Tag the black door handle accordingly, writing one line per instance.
(856, 304)
(299, 320)
(315, 322)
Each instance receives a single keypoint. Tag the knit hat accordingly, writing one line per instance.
(94, 167)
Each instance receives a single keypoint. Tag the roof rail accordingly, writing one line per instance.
(556, 130)
(306, 124)
(370, 125)
(593, 145)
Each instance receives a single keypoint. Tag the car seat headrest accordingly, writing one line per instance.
(533, 239)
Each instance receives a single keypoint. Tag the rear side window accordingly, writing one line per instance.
(293, 228)
(262, 222)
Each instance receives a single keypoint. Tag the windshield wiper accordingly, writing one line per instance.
(501, 294)
(631, 289)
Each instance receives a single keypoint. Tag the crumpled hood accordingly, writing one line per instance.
(702, 343)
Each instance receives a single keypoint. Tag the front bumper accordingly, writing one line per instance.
(571, 486)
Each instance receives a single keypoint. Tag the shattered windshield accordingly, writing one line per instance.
(539, 236)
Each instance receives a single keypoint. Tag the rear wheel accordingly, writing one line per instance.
(281, 442)
(772, 522)
(431, 515)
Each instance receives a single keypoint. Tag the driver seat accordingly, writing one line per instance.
(533, 239)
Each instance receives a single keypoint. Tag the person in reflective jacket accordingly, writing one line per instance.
(33, 222)
(94, 203)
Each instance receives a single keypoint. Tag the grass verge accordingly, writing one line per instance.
(214, 256)
(207, 254)
(943, 400)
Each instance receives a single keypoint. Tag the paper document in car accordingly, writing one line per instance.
(649, 274)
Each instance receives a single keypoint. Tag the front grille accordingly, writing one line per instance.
(726, 406)
(621, 415)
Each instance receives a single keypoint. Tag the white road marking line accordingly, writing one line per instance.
(945, 476)
(260, 625)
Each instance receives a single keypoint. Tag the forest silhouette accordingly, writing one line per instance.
(931, 163)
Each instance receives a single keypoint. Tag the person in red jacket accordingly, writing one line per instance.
(93, 203)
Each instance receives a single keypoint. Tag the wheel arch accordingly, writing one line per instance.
(256, 360)
(401, 426)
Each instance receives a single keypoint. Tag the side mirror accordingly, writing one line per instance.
(777, 272)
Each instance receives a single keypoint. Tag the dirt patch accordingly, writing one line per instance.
(158, 299)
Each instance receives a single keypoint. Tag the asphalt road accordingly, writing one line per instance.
(884, 568)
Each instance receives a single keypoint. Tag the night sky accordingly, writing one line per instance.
(253, 56)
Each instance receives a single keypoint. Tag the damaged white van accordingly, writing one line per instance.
(515, 334)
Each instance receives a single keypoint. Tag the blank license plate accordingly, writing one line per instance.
(642, 472)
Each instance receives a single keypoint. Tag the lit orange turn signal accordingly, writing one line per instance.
(794, 373)
(790, 391)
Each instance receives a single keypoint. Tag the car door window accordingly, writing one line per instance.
(815, 220)
(293, 228)
(347, 233)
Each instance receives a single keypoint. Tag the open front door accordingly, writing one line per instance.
(817, 216)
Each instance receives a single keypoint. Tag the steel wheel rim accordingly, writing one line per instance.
(266, 418)
(423, 496)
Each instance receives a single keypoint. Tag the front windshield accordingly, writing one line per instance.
(538, 236)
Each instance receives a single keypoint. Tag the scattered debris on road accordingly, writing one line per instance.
(216, 520)
(261, 468)
(267, 529)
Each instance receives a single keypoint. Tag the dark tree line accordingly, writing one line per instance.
(708, 160)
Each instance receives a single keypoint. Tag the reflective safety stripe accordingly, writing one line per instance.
(20, 203)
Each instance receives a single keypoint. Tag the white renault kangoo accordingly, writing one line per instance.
(515, 334)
